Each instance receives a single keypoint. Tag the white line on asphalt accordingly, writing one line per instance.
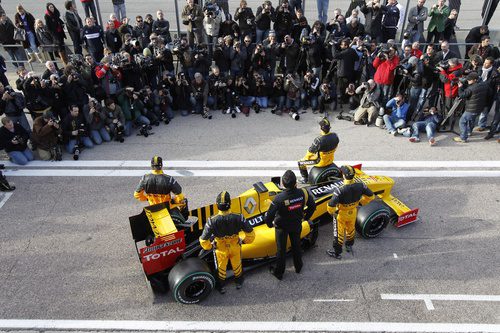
(6, 197)
(395, 256)
(428, 298)
(252, 164)
(248, 326)
(239, 173)
(333, 300)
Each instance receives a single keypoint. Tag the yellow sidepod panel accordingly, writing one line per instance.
(264, 244)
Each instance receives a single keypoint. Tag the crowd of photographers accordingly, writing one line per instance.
(127, 80)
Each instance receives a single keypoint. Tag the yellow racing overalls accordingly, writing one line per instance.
(320, 154)
(346, 199)
(223, 229)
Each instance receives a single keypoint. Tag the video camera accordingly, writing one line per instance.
(145, 130)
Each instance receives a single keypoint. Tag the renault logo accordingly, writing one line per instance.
(250, 205)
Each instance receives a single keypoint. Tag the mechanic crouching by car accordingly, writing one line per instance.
(346, 199)
(224, 229)
(47, 134)
(321, 152)
(286, 213)
(155, 187)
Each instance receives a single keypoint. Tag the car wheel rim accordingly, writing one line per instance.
(195, 289)
(378, 224)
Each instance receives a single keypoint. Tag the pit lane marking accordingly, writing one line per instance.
(428, 298)
(238, 326)
(251, 164)
(395, 256)
(333, 300)
(6, 197)
(239, 173)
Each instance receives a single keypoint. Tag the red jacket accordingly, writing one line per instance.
(450, 79)
(86, 0)
(385, 70)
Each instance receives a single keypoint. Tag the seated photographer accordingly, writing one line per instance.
(182, 99)
(242, 87)
(12, 105)
(14, 139)
(216, 89)
(36, 96)
(110, 77)
(46, 134)
(368, 109)
(75, 130)
(199, 94)
(95, 117)
(278, 95)
(310, 91)
(259, 88)
(132, 108)
(328, 96)
(353, 98)
(429, 123)
(115, 119)
(293, 86)
(397, 119)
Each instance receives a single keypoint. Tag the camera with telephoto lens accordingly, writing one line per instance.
(19, 139)
(294, 114)
(444, 64)
(379, 122)
(56, 153)
(119, 132)
(205, 114)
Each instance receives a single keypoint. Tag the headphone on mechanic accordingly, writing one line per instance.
(156, 163)
(223, 201)
(347, 172)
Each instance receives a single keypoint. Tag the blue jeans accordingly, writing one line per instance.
(421, 100)
(21, 157)
(100, 135)
(31, 39)
(392, 122)
(293, 103)
(142, 120)
(247, 100)
(262, 101)
(466, 124)
(386, 93)
(483, 117)
(120, 11)
(414, 98)
(16, 54)
(261, 35)
(415, 36)
(128, 128)
(311, 100)
(421, 126)
(70, 147)
(279, 101)
(322, 10)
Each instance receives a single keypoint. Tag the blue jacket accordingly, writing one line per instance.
(399, 112)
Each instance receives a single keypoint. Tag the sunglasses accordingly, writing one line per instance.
(139, 21)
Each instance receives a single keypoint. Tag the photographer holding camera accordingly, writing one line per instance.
(310, 91)
(373, 19)
(199, 94)
(346, 60)
(14, 139)
(429, 123)
(115, 120)
(110, 77)
(293, 86)
(36, 96)
(368, 107)
(12, 105)
(95, 117)
(246, 19)
(449, 73)
(192, 17)
(328, 96)
(74, 87)
(132, 108)
(385, 63)
(75, 131)
(211, 23)
(289, 55)
(397, 119)
(263, 18)
(47, 135)
(283, 23)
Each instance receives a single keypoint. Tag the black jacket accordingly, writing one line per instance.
(245, 19)
(159, 184)
(73, 22)
(324, 143)
(475, 96)
(287, 210)
(373, 20)
(71, 124)
(349, 193)
(6, 137)
(225, 225)
(346, 59)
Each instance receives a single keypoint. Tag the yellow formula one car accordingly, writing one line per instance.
(166, 236)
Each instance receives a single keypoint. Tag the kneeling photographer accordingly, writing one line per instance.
(132, 108)
(47, 136)
(115, 120)
(14, 139)
(310, 92)
(369, 104)
(12, 105)
(75, 132)
(94, 115)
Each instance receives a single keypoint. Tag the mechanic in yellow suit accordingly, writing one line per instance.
(224, 229)
(346, 199)
(156, 187)
(321, 152)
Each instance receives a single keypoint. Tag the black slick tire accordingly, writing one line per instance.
(191, 281)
